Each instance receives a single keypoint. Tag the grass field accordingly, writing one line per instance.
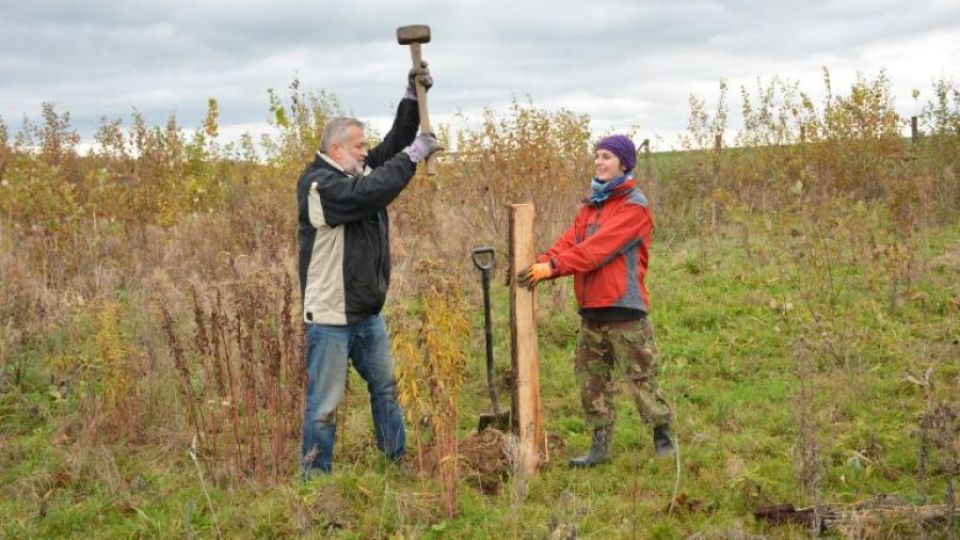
(727, 321)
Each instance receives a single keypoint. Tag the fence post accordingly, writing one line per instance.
(527, 423)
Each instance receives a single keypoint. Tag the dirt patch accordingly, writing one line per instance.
(484, 460)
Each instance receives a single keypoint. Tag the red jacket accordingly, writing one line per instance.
(606, 250)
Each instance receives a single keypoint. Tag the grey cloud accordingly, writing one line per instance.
(623, 62)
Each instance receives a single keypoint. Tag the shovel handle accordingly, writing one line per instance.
(484, 257)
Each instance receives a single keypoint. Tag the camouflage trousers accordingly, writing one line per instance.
(606, 347)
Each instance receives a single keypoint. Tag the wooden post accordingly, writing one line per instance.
(914, 131)
(527, 424)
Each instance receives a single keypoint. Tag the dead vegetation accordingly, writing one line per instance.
(147, 287)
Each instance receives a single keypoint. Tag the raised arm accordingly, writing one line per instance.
(345, 199)
(401, 134)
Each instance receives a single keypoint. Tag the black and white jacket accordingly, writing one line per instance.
(344, 230)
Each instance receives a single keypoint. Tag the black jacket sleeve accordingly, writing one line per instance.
(346, 198)
(401, 134)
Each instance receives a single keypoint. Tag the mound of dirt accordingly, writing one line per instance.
(484, 460)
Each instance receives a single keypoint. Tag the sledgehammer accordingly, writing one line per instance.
(414, 35)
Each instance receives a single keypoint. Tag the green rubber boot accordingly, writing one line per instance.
(599, 452)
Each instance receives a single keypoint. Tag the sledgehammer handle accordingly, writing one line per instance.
(422, 103)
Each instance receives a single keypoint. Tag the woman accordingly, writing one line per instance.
(607, 250)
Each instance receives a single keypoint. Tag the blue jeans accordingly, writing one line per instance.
(328, 348)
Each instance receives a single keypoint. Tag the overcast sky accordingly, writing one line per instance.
(624, 63)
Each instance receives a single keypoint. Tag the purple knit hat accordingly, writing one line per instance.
(622, 147)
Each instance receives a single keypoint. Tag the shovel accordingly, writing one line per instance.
(484, 260)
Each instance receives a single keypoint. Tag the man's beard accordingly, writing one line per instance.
(352, 166)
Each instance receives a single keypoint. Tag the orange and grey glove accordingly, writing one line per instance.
(533, 274)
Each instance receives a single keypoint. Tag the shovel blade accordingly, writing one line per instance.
(500, 421)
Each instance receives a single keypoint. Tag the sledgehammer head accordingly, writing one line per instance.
(415, 33)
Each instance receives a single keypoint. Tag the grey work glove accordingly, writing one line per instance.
(421, 74)
(424, 145)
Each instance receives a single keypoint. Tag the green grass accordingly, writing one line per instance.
(727, 364)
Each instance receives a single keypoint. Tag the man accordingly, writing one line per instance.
(345, 270)
(606, 250)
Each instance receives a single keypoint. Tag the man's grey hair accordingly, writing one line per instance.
(336, 131)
